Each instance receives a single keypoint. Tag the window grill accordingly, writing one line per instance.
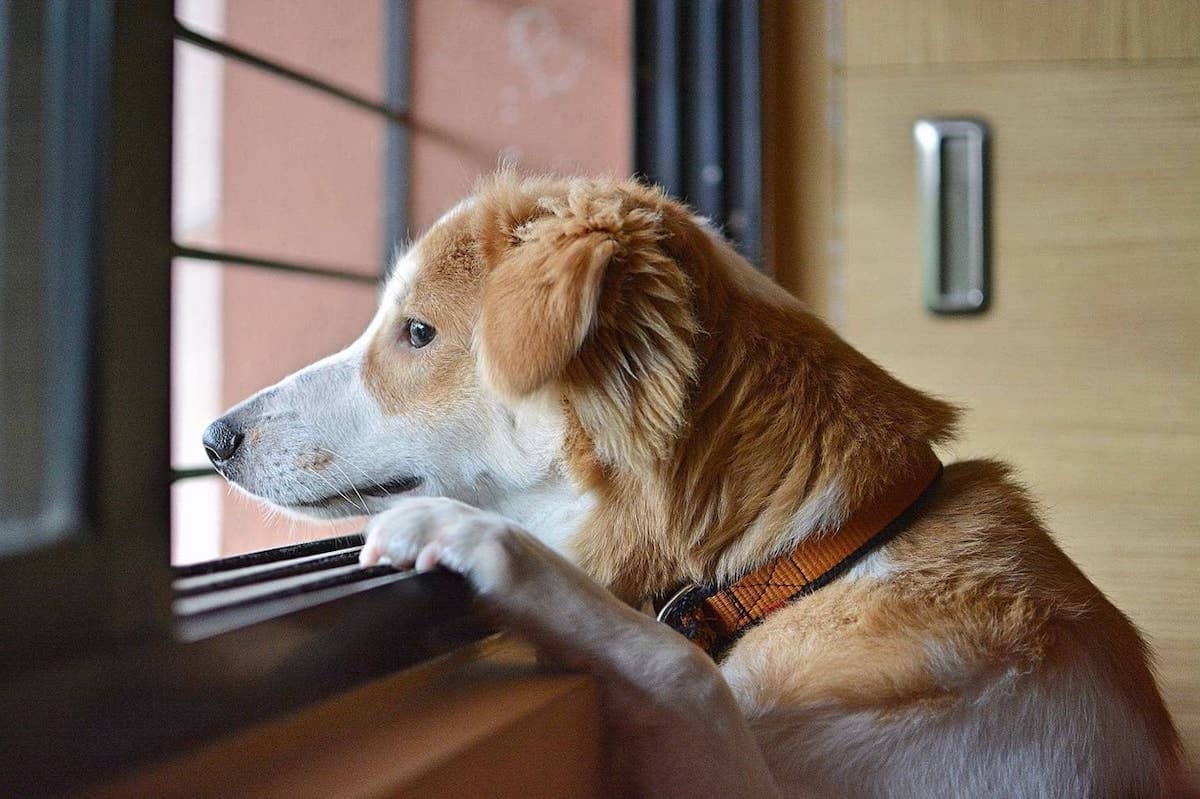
(102, 668)
(393, 111)
(219, 595)
(699, 110)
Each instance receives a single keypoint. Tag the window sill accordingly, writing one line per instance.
(81, 720)
(481, 721)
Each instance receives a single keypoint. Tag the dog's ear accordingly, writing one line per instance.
(539, 305)
(580, 295)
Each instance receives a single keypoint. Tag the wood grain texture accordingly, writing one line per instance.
(1085, 373)
(798, 146)
(897, 32)
(484, 721)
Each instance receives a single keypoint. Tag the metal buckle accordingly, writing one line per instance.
(675, 597)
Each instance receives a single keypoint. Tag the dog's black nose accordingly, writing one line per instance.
(221, 440)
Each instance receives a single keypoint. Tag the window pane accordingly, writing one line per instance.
(50, 171)
(236, 330)
(273, 169)
(342, 43)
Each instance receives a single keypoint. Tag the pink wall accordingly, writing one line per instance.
(547, 85)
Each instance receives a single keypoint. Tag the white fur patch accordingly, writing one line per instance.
(820, 513)
(552, 512)
(874, 566)
(404, 272)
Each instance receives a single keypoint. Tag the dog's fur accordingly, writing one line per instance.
(634, 407)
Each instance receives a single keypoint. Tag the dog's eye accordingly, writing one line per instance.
(419, 333)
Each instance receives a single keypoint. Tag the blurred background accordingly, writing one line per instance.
(1081, 368)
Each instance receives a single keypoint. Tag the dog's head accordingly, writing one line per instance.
(539, 318)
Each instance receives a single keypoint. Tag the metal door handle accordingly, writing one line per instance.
(952, 174)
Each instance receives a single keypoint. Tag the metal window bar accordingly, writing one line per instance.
(394, 110)
(294, 267)
(698, 117)
(185, 34)
(396, 187)
(188, 472)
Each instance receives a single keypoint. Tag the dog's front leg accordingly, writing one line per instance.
(672, 723)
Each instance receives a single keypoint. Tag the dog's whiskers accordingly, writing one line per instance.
(336, 456)
(361, 505)
(349, 462)
(350, 483)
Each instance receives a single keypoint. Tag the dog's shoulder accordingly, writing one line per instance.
(972, 607)
(975, 587)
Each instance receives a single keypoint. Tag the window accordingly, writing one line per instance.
(311, 139)
(98, 670)
(290, 162)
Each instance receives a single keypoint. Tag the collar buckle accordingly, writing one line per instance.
(670, 604)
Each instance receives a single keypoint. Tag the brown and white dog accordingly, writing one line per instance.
(577, 395)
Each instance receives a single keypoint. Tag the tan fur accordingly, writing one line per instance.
(976, 573)
(316, 461)
(447, 297)
(603, 312)
(714, 405)
(708, 412)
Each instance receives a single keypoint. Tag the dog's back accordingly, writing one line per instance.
(969, 649)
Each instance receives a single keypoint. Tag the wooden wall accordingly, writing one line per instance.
(1085, 372)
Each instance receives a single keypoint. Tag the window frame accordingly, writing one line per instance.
(95, 572)
(96, 675)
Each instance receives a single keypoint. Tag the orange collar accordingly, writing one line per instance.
(714, 617)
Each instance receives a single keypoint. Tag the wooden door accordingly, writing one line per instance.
(1085, 371)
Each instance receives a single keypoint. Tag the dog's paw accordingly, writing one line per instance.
(427, 532)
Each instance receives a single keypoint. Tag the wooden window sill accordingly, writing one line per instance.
(484, 720)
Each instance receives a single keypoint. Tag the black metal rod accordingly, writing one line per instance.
(396, 156)
(242, 259)
(743, 123)
(274, 555)
(186, 34)
(284, 570)
(702, 139)
(192, 473)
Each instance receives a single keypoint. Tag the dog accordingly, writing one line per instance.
(576, 394)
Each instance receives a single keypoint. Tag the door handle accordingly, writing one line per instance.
(952, 175)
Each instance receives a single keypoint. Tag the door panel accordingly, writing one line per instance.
(896, 32)
(1085, 372)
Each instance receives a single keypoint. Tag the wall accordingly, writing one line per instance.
(1083, 373)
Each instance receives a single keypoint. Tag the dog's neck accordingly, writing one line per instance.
(822, 511)
(793, 431)
(552, 510)
(713, 616)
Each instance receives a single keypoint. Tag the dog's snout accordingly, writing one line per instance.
(221, 440)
